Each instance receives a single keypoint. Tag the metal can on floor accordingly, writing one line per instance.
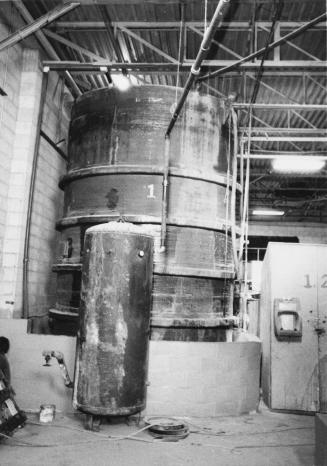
(47, 413)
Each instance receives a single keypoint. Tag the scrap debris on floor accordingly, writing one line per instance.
(260, 439)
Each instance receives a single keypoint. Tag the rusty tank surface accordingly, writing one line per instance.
(116, 165)
(112, 343)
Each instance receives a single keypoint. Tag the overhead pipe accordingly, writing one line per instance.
(258, 53)
(195, 70)
(202, 53)
(36, 25)
(31, 197)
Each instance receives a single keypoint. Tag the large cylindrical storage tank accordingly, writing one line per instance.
(114, 324)
(116, 164)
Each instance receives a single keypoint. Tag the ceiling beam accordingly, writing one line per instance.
(264, 130)
(46, 45)
(255, 172)
(279, 156)
(183, 67)
(277, 36)
(287, 138)
(281, 106)
(36, 24)
(148, 44)
(73, 45)
(175, 25)
(263, 50)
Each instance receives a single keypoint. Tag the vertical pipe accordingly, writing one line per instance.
(31, 196)
(233, 194)
(164, 203)
(242, 177)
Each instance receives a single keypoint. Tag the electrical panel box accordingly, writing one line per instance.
(293, 316)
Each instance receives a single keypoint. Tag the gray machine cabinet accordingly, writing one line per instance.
(293, 316)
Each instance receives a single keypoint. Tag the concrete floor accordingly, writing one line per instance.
(259, 439)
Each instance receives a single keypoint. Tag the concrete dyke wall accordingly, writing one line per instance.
(185, 378)
(203, 379)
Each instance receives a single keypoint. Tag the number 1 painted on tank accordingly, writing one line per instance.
(151, 191)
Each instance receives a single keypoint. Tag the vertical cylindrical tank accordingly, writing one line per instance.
(116, 165)
(112, 344)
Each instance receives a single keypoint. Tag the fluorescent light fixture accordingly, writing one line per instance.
(265, 213)
(121, 82)
(298, 164)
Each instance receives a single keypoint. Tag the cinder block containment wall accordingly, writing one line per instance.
(185, 378)
(19, 112)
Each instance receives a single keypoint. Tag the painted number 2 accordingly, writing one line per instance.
(150, 191)
(324, 281)
(307, 283)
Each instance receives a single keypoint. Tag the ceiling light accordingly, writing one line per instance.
(121, 82)
(298, 164)
(265, 213)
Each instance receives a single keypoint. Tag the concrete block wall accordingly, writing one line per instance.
(20, 114)
(185, 378)
(10, 80)
(48, 202)
(20, 174)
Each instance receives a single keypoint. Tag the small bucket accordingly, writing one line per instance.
(47, 413)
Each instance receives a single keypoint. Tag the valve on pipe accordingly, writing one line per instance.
(61, 361)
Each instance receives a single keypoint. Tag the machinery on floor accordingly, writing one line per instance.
(113, 336)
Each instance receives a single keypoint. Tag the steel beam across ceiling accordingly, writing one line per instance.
(134, 31)
(155, 67)
(175, 25)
